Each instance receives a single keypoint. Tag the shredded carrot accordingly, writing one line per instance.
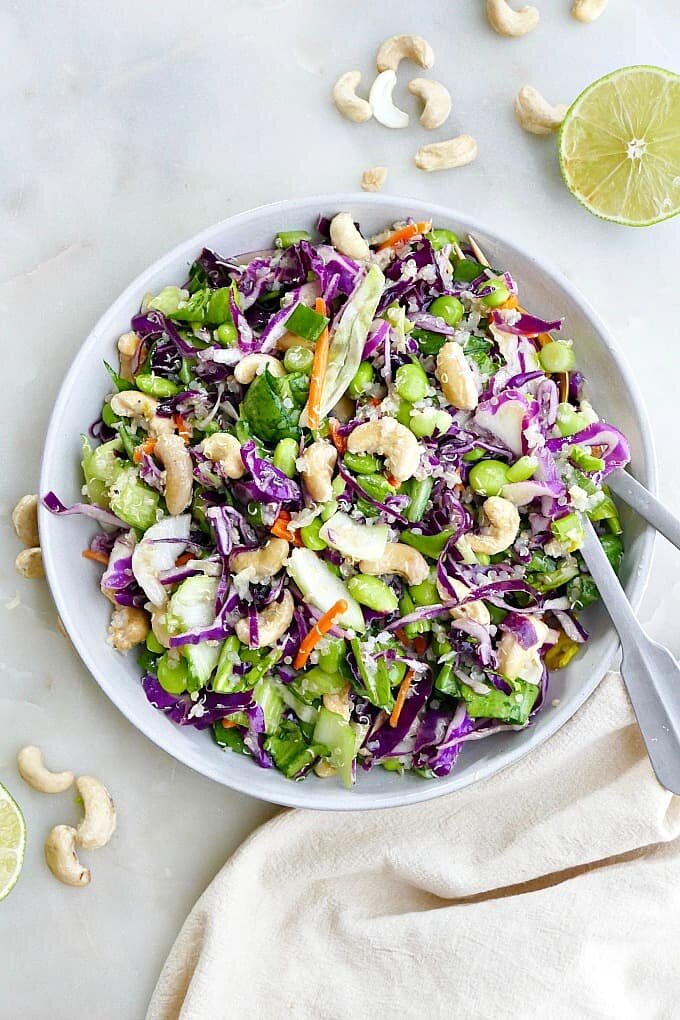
(148, 446)
(420, 644)
(321, 627)
(401, 698)
(512, 302)
(394, 482)
(401, 636)
(318, 370)
(183, 431)
(405, 234)
(181, 560)
(228, 724)
(280, 529)
(564, 386)
(339, 442)
(544, 338)
(98, 557)
(375, 401)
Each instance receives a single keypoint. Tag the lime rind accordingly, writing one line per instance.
(12, 842)
(625, 167)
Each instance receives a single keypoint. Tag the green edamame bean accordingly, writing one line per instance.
(310, 535)
(423, 422)
(467, 270)
(285, 456)
(226, 334)
(372, 593)
(376, 486)
(156, 386)
(153, 644)
(420, 494)
(338, 485)
(333, 655)
(363, 378)
(329, 509)
(361, 463)
(569, 420)
(173, 675)
(298, 359)
(557, 356)
(488, 477)
(411, 383)
(439, 237)
(499, 293)
(447, 308)
(109, 417)
(472, 455)
(522, 470)
(425, 593)
(403, 414)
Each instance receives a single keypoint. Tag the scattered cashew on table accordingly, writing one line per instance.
(535, 113)
(25, 521)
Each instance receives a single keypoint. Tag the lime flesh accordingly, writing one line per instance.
(12, 842)
(620, 146)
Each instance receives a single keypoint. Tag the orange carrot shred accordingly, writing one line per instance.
(394, 482)
(183, 430)
(321, 627)
(401, 636)
(228, 724)
(148, 446)
(401, 698)
(280, 529)
(339, 442)
(181, 560)
(512, 302)
(98, 557)
(420, 644)
(318, 371)
(564, 386)
(405, 234)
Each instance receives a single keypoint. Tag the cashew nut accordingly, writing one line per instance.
(98, 823)
(272, 622)
(316, 464)
(255, 364)
(62, 859)
(456, 378)
(324, 769)
(507, 21)
(346, 238)
(500, 532)
(588, 10)
(339, 702)
(447, 155)
(179, 472)
(382, 104)
(391, 440)
(535, 114)
(140, 406)
(25, 520)
(225, 449)
(373, 179)
(266, 562)
(475, 611)
(129, 626)
(33, 771)
(436, 98)
(515, 661)
(401, 559)
(128, 345)
(347, 101)
(29, 564)
(404, 47)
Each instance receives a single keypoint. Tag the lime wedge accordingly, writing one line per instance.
(12, 842)
(620, 146)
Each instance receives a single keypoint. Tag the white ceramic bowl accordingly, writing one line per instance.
(85, 613)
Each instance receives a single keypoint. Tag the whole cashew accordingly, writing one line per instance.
(98, 823)
(347, 101)
(382, 104)
(456, 378)
(226, 450)
(501, 531)
(588, 10)
(535, 114)
(136, 405)
(324, 769)
(255, 364)
(339, 702)
(129, 626)
(475, 611)
(391, 440)
(272, 622)
(25, 520)
(347, 239)
(507, 21)
(401, 559)
(447, 155)
(514, 661)
(404, 47)
(316, 464)
(62, 859)
(128, 345)
(179, 472)
(33, 771)
(266, 561)
(29, 564)
(373, 179)
(437, 100)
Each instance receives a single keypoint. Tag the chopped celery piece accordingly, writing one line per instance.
(569, 531)
(225, 681)
(168, 300)
(305, 322)
(229, 736)
(510, 708)
(316, 682)
(193, 606)
(285, 238)
(431, 546)
(290, 750)
(322, 588)
(338, 736)
(267, 695)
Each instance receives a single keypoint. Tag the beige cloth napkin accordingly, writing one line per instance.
(550, 890)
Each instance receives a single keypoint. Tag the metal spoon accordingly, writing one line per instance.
(636, 496)
(651, 674)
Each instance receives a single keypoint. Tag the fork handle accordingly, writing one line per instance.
(655, 513)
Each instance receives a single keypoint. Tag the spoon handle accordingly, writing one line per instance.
(636, 496)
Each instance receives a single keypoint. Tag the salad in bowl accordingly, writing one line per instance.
(340, 485)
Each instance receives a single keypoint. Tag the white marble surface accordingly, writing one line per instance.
(127, 128)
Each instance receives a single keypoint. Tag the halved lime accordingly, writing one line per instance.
(12, 842)
(620, 146)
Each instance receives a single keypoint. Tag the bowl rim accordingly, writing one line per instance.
(296, 796)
